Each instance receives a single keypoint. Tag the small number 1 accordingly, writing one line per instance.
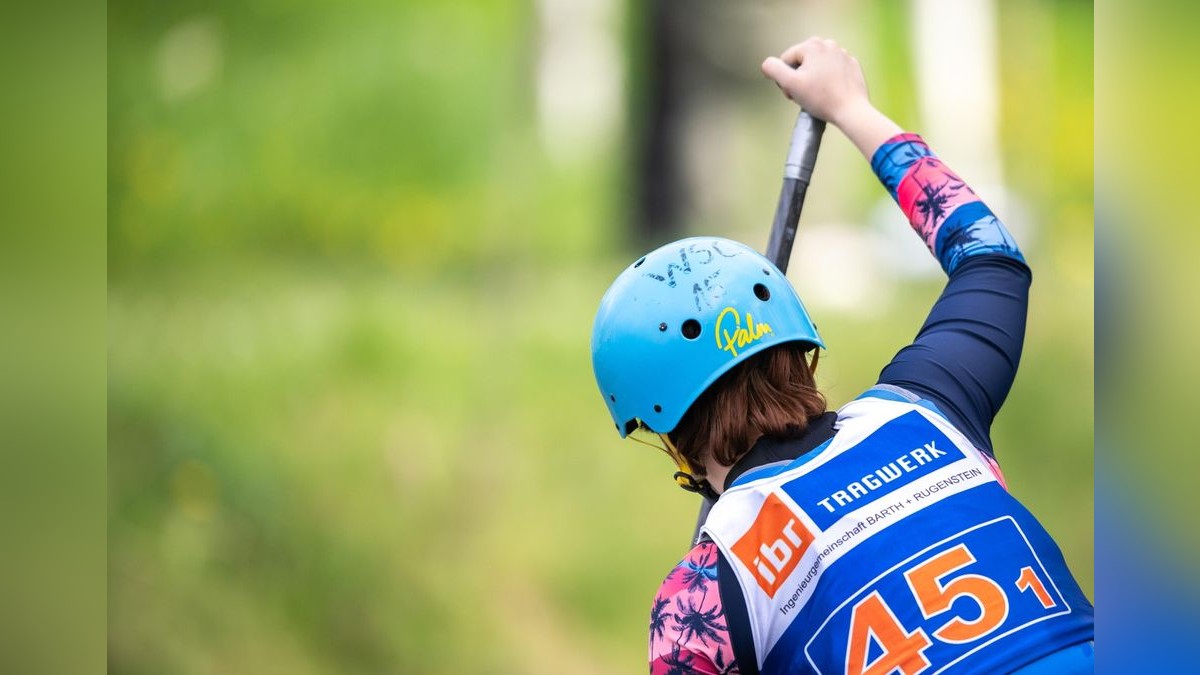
(1029, 579)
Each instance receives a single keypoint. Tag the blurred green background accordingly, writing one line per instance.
(354, 254)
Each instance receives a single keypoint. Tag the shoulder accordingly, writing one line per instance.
(894, 394)
(688, 631)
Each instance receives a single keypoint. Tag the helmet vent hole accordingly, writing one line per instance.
(766, 271)
(662, 326)
(612, 397)
(657, 408)
(640, 261)
(762, 292)
(690, 329)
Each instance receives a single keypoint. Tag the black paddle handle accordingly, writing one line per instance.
(797, 174)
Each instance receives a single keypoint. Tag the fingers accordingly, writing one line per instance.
(786, 69)
(796, 54)
(778, 70)
(790, 81)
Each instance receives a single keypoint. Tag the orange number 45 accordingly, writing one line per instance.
(872, 620)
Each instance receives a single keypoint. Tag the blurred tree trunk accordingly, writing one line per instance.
(657, 153)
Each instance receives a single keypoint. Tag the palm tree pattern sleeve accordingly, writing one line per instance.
(942, 208)
(688, 631)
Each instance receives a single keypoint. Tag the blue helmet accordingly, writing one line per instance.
(682, 316)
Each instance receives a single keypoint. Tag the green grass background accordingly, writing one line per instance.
(352, 422)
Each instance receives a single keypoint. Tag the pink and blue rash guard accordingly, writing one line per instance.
(960, 366)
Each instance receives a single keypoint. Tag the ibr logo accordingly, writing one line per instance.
(773, 545)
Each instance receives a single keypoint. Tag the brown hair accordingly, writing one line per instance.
(772, 393)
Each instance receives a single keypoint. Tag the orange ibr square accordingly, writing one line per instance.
(773, 545)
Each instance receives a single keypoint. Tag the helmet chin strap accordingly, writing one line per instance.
(701, 487)
(683, 477)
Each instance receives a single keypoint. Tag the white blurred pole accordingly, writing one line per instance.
(958, 86)
(955, 48)
(579, 77)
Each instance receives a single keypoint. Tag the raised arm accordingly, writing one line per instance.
(965, 356)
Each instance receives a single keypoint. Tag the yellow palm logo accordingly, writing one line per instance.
(732, 335)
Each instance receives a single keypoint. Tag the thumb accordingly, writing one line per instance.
(775, 69)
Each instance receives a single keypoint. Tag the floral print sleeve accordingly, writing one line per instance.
(688, 631)
(943, 209)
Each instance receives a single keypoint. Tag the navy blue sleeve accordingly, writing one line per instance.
(965, 356)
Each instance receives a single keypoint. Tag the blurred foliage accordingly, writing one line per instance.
(352, 425)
